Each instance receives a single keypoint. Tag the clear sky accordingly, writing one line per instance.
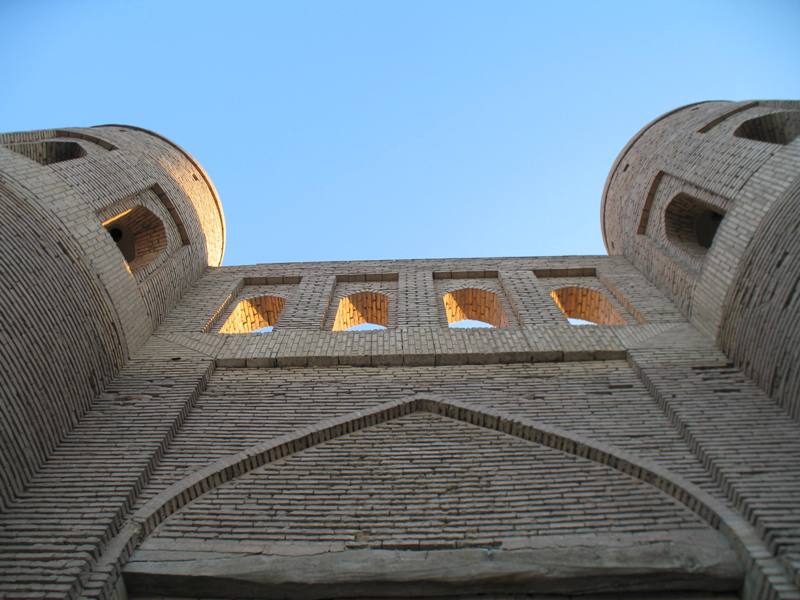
(349, 130)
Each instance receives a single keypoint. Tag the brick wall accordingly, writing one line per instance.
(741, 161)
(150, 440)
(73, 308)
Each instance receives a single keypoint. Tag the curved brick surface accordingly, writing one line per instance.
(760, 329)
(52, 306)
(73, 310)
(733, 168)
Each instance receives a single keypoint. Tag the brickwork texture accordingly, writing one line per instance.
(175, 429)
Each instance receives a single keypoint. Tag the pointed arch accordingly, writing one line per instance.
(160, 507)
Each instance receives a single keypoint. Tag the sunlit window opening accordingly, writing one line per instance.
(471, 324)
(254, 315)
(366, 327)
(139, 235)
(580, 321)
(362, 311)
(586, 306)
(473, 308)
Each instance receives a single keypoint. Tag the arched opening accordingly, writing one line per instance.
(254, 315)
(691, 224)
(48, 152)
(586, 306)
(362, 311)
(139, 235)
(473, 307)
(775, 128)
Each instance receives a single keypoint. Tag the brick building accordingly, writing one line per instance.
(155, 441)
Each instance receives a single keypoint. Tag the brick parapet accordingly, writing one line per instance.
(420, 287)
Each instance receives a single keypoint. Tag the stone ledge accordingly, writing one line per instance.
(696, 560)
(420, 346)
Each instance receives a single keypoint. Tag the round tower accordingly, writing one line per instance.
(102, 231)
(705, 201)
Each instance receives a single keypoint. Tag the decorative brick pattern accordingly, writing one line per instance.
(312, 300)
(417, 305)
(425, 482)
(604, 400)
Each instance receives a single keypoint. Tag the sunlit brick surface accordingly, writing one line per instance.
(360, 308)
(254, 313)
(149, 429)
(474, 304)
(586, 304)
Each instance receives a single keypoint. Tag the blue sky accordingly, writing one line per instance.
(371, 130)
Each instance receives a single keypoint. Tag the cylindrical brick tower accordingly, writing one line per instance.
(102, 230)
(705, 201)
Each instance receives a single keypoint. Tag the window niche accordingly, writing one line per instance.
(48, 152)
(140, 236)
(691, 224)
(473, 308)
(362, 311)
(586, 306)
(146, 228)
(774, 128)
(254, 315)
